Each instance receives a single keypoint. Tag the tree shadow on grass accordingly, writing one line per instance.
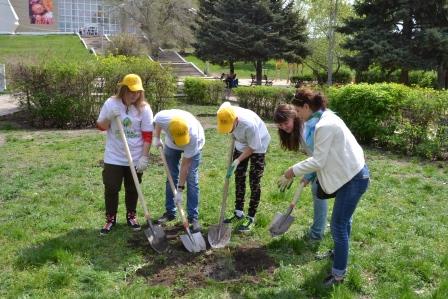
(109, 252)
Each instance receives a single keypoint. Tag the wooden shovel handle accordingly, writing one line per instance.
(132, 167)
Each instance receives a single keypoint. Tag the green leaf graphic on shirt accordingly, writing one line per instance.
(127, 124)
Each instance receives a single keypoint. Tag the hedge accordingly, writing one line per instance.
(263, 99)
(412, 121)
(69, 95)
(203, 91)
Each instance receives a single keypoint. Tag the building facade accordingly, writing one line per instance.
(88, 17)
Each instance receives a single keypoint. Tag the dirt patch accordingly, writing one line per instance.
(182, 270)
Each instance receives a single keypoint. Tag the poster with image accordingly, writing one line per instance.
(41, 12)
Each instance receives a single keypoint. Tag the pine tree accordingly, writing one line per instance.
(250, 30)
(393, 33)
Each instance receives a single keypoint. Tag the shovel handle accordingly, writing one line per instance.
(132, 167)
(225, 190)
(295, 198)
(173, 189)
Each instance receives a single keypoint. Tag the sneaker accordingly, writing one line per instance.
(131, 219)
(166, 218)
(195, 227)
(247, 225)
(234, 218)
(332, 280)
(110, 222)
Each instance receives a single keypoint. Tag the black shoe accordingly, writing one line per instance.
(110, 222)
(195, 227)
(328, 254)
(233, 219)
(247, 225)
(165, 218)
(131, 219)
(332, 280)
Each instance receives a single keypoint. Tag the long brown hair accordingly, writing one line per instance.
(288, 141)
(141, 101)
(315, 100)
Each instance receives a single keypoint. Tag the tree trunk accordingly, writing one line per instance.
(404, 76)
(259, 70)
(442, 75)
(231, 67)
(331, 41)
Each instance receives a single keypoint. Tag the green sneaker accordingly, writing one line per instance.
(247, 225)
(233, 219)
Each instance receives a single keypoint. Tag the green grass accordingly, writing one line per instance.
(15, 48)
(51, 209)
(244, 69)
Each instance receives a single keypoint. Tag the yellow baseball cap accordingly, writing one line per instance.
(133, 82)
(225, 118)
(179, 130)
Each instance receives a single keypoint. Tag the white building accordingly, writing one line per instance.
(93, 17)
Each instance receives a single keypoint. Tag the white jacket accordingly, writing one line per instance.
(337, 156)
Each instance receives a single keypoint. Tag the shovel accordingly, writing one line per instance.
(281, 222)
(155, 234)
(219, 235)
(193, 242)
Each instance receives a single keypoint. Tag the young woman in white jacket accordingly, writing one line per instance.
(339, 162)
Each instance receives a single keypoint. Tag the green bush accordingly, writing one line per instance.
(413, 121)
(158, 82)
(204, 92)
(340, 77)
(263, 99)
(70, 95)
(416, 78)
(126, 44)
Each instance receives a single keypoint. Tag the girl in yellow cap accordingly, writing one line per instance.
(251, 143)
(183, 135)
(130, 106)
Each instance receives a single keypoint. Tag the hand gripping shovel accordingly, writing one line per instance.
(219, 235)
(281, 222)
(155, 234)
(193, 242)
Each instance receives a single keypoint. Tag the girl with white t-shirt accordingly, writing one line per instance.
(251, 143)
(136, 116)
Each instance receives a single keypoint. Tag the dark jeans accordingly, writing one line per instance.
(347, 197)
(257, 163)
(113, 176)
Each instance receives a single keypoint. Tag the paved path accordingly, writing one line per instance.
(8, 105)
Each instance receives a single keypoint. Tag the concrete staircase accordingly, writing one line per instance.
(179, 66)
(97, 43)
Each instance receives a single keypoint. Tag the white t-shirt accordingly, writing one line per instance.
(134, 122)
(197, 137)
(250, 132)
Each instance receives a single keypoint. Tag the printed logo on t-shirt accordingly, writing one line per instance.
(128, 131)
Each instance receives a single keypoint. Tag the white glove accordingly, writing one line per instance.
(178, 197)
(156, 142)
(142, 164)
(113, 113)
(284, 183)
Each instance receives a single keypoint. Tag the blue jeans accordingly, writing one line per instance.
(173, 157)
(317, 229)
(347, 197)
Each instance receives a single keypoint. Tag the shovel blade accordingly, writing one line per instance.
(280, 224)
(217, 238)
(157, 238)
(193, 242)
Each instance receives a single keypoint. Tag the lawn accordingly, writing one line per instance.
(15, 48)
(244, 69)
(51, 200)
